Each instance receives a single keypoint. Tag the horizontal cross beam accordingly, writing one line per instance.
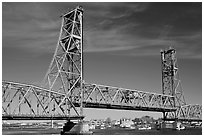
(10, 117)
(123, 107)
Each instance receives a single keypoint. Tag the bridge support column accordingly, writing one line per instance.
(71, 128)
(171, 125)
(164, 116)
(168, 125)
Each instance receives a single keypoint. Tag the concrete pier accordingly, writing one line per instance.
(171, 125)
(80, 128)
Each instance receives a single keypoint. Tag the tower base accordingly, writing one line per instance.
(80, 128)
(172, 125)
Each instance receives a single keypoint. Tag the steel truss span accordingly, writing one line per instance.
(100, 96)
(190, 112)
(23, 101)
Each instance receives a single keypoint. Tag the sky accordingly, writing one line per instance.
(122, 43)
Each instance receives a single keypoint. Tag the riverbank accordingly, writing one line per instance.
(109, 131)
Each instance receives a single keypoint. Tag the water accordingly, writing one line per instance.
(193, 131)
(110, 131)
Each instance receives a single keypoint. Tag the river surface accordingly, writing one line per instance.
(194, 131)
(116, 131)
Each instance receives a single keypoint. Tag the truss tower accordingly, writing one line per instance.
(171, 85)
(65, 73)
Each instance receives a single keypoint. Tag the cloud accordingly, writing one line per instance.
(146, 31)
(123, 10)
(106, 40)
(125, 28)
(29, 27)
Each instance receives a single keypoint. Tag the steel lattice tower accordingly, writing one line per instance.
(65, 73)
(171, 85)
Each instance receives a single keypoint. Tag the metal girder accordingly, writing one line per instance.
(23, 101)
(33, 102)
(100, 96)
(40, 103)
(28, 117)
(188, 112)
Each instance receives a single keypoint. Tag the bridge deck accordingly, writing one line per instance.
(23, 117)
(125, 107)
(183, 119)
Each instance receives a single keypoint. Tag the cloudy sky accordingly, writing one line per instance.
(122, 43)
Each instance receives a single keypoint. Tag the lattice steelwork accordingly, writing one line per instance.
(190, 112)
(65, 71)
(171, 85)
(109, 97)
(23, 101)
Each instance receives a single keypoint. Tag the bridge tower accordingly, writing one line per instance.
(65, 73)
(171, 85)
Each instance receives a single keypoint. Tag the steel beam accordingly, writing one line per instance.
(10, 117)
